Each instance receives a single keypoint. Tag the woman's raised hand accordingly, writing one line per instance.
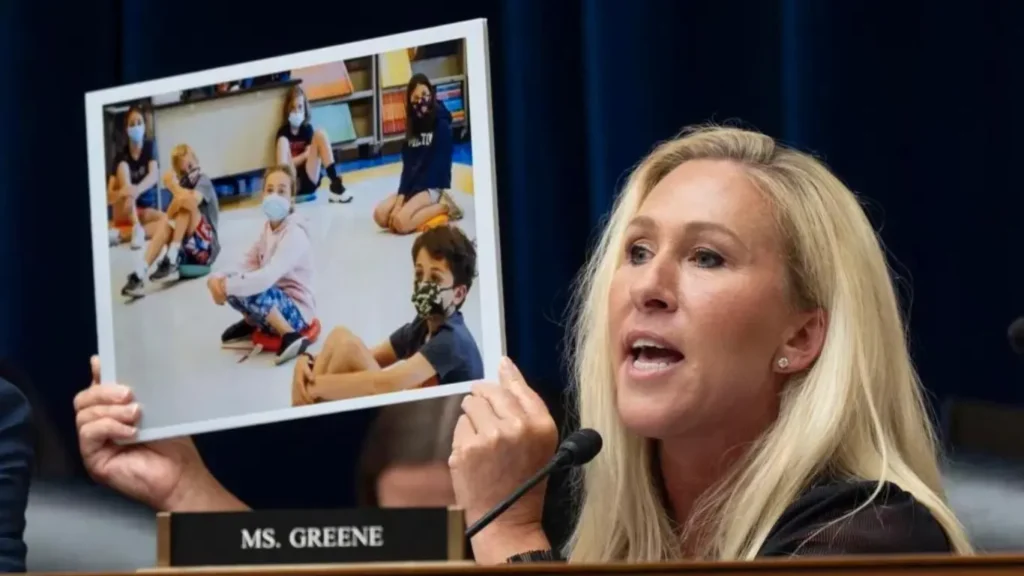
(504, 436)
(164, 475)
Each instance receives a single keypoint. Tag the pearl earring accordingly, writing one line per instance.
(783, 363)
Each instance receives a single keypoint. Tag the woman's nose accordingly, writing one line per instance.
(656, 286)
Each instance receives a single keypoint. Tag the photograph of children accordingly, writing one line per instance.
(315, 237)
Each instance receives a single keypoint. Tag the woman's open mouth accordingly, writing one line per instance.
(649, 356)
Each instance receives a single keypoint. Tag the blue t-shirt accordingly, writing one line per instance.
(427, 158)
(451, 350)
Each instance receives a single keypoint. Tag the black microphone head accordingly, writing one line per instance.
(1016, 335)
(580, 447)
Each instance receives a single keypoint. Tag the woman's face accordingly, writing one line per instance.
(419, 98)
(278, 183)
(699, 310)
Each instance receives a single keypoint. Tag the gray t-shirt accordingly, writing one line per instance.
(210, 209)
(451, 350)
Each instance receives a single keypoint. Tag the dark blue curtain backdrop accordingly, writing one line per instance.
(917, 105)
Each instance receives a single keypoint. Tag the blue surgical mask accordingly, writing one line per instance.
(295, 119)
(276, 207)
(136, 133)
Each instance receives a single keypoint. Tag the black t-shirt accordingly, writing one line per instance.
(297, 141)
(894, 523)
(138, 168)
(452, 351)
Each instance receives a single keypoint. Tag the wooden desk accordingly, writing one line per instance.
(873, 566)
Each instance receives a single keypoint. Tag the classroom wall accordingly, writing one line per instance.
(231, 135)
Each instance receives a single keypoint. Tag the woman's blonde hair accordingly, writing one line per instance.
(857, 412)
(178, 153)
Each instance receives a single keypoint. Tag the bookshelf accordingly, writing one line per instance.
(443, 64)
(343, 101)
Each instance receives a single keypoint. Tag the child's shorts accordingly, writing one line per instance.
(198, 248)
(258, 306)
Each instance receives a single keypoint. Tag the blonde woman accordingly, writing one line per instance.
(738, 345)
(740, 348)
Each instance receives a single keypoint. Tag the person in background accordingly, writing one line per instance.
(307, 149)
(132, 190)
(434, 348)
(272, 287)
(190, 233)
(404, 461)
(17, 454)
(423, 191)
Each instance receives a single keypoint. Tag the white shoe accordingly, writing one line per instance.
(138, 238)
(115, 237)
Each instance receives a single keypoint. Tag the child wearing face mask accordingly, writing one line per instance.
(435, 348)
(426, 164)
(306, 149)
(272, 287)
(132, 188)
(190, 232)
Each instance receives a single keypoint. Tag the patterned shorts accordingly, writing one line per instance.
(257, 307)
(198, 247)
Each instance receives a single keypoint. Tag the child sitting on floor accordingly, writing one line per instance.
(435, 348)
(190, 231)
(272, 288)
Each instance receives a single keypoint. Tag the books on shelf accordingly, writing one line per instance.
(329, 80)
(395, 68)
(451, 94)
(392, 112)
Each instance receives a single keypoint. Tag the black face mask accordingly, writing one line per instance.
(190, 178)
(428, 298)
(423, 108)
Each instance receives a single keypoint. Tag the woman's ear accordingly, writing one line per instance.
(803, 343)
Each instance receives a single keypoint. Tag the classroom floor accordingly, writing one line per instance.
(168, 343)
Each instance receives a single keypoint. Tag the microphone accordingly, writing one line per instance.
(1016, 335)
(579, 448)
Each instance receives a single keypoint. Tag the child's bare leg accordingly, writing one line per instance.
(278, 323)
(161, 236)
(344, 352)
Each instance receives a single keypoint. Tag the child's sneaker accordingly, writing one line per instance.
(292, 344)
(238, 331)
(454, 212)
(164, 270)
(337, 194)
(114, 236)
(135, 287)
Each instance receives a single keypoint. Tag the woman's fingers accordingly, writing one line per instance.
(103, 394)
(481, 416)
(94, 364)
(512, 380)
(124, 413)
(98, 433)
(505, 404)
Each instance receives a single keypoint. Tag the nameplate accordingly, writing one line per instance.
(358, 535)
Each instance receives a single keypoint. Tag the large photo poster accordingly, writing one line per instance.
(305, 234)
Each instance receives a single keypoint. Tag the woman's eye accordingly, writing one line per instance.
(705, 258)
(638, 253)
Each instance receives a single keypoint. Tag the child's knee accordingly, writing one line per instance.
(321, 135)
(403, 224)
